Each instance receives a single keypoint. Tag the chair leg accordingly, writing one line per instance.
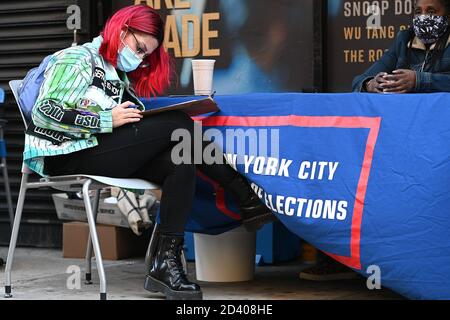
(8, 192)
(94, 237)
(14, 235)
(88, 280)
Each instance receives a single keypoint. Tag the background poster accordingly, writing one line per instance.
(351, 46)
(259, 46)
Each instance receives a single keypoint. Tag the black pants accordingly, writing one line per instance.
(143, 150)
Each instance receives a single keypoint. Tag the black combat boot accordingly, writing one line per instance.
(166, 274)
(253, 211)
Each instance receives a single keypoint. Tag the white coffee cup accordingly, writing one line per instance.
(203, 71)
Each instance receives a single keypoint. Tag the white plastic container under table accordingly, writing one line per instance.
(227, 257)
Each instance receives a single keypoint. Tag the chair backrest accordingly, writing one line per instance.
(15, 85)
(2, 95)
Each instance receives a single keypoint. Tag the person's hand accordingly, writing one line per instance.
(373, 85)
(400, 81)
(122, 114)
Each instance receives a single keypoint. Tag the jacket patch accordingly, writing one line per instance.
(111, 88)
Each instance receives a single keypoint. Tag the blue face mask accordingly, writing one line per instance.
(128, 60)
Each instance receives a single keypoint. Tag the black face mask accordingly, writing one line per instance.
(429, 28)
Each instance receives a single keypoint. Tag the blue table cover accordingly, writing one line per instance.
(365, 178)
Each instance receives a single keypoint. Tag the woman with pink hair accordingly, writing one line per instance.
(87, 119)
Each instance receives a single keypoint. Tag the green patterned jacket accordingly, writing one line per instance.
(74, 104)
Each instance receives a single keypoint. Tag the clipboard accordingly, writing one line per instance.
(191, 108)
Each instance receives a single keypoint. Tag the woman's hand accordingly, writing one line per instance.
(122, 114)
(373, 85)
(400, 81)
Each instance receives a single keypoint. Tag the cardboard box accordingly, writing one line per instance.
(74, 210)
(116, 243)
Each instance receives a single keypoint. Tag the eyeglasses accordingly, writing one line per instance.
(140, 52)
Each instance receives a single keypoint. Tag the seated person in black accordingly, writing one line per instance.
(419, 59)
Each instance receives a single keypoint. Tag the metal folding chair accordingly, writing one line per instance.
(70, 183)
(3, 165)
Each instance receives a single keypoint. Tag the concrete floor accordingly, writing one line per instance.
(41, 274)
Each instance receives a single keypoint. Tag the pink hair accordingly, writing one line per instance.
(156, 78)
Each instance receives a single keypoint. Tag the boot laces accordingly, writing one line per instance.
(175, 263)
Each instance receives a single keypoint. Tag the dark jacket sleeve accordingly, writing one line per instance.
(427, 82)
(386, 63)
